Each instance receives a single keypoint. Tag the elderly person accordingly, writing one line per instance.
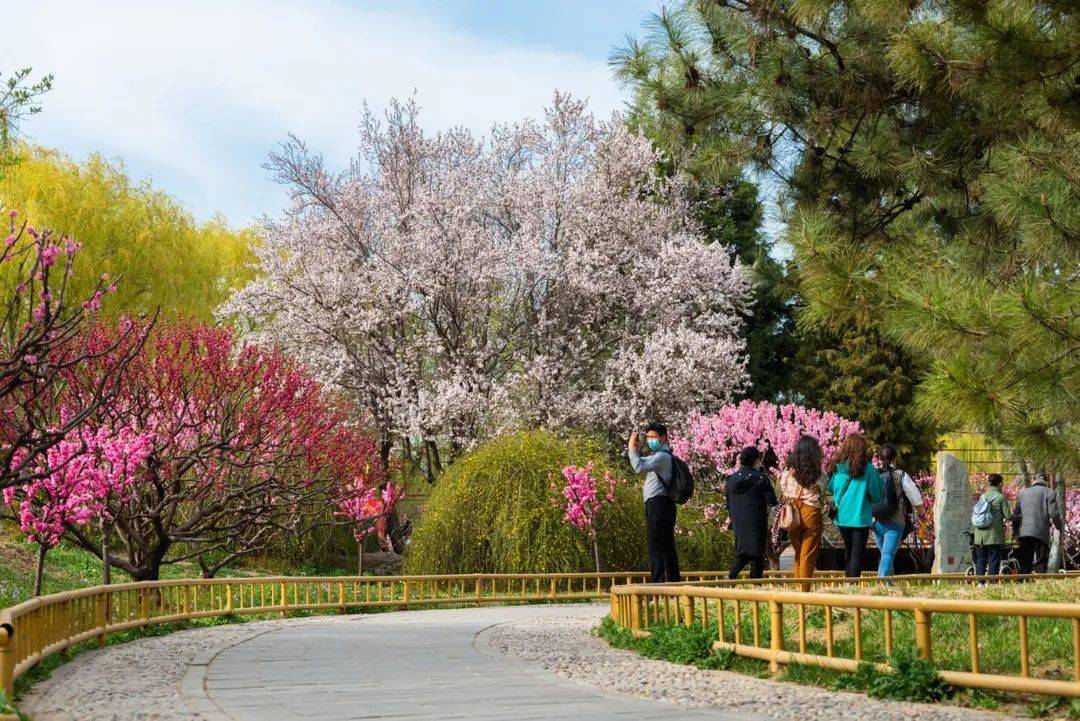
(1036, 511)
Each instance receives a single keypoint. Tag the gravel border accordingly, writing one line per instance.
(567, 647)
(150, 678)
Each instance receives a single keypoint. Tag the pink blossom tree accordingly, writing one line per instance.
(711, 443)
(242, 445)
(582, 497)
(86, 470)
(367, 508)
(43, 335)
(454, 287)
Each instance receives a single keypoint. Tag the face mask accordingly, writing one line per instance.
(654, 444)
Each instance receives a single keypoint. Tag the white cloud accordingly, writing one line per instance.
(196, 93)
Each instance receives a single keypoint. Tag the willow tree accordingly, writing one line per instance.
(929, 156)
(166, 258)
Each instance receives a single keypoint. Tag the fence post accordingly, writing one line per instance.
(922, 634)
(776, 634)
(284, 599)
(635, 613)
(228, 598)
(478, 590)
(686, 604)
(101, 602)
(405, 593)
(7, 661)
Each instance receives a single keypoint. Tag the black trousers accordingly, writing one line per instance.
(742, 560)
(660, 533)
(988, 559)
(855, 546)
(1033, 555)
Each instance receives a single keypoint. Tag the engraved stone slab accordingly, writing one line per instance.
(952, 515)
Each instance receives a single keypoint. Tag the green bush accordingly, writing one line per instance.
(689, 645)
(492, 512)
(912, 679)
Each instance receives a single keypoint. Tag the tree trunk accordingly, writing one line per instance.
(596, 554)
(39, 570)
(106, 562)
(1024, 470)
(360, 557)
(1057, 537)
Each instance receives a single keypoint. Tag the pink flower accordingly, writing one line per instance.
(582, 496)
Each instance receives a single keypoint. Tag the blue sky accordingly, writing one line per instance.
(194, 94)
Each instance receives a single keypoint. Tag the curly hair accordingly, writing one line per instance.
(805, 461)
(852, 451)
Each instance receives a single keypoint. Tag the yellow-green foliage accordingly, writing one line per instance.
(980, 453)
(162, 256)
(492, 511)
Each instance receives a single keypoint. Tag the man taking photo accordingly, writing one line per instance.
(659, 505)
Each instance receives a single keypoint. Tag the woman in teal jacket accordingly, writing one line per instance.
(855, 487)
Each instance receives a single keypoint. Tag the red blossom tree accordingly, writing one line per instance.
(244, 445)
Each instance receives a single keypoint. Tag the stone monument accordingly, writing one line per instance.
(952, 515)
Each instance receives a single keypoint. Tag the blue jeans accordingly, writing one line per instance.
(888, 537)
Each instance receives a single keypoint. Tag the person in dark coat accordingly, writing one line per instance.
(749, 495)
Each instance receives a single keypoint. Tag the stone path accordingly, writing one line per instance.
(488, 663)
(421, 665)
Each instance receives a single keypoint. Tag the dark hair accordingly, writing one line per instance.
(995, 479)
(888, 454)
(749, 456)
(852, 451)
(805, 461)
(769, 460)
(658, 427)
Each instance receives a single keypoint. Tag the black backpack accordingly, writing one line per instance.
(681, 485)
(884, 509)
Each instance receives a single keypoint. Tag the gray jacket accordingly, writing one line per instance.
(657, 469)
(1037, 508)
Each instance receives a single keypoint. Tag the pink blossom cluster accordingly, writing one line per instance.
(81, 474)
(582, 496)
(367, 507)
(711, 443)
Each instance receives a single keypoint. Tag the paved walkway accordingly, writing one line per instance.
(419, 665)
(505, 663)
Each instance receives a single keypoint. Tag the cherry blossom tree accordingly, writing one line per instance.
(582, 498)
(42, 338)
(712, 442)
(244, 445)
(367, 508)
(86, 469)
(454, 287)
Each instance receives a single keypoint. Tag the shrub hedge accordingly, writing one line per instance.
(491, 511)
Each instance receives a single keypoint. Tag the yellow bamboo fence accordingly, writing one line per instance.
(761, 621)
(42, 626)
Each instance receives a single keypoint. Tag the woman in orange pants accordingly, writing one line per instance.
(800, 485)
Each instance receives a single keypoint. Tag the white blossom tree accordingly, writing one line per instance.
(549, 275)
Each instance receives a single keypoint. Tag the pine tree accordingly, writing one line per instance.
(861, 375)
(928, 153)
